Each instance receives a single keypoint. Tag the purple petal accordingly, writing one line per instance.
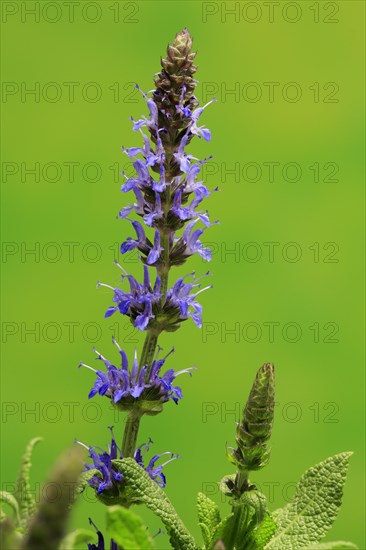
(110, 311)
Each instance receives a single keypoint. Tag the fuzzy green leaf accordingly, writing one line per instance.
(74, 540)
(312, 511)
(9, 499)
(257, 502)
(23, 492)
(264, 532)
(208, 516)
(337, 545)
(127, 529)
(146, 490)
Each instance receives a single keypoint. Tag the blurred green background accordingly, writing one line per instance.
(296, 74)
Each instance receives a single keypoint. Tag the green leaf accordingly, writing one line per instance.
(223, 486)
(147, 491)
(264, 532)
(23, 492)
(312, 511)
(127, 529)
(338, 545)
(257, 502)
(208, 516)
(9, 499)
(73, 540)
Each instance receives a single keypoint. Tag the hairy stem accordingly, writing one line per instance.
(241, 478)
(239, 514)
(134, 417)
(164, 239)
(130, 433)
(164, 270)
(148, 350)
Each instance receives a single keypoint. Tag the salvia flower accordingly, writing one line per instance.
(108, 479)
(169, 202)
(127, 387)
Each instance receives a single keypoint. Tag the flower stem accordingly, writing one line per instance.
(164, 270)
(241, 478)
(130, 434)
(164, 239)
(148, 351)
(238, 512)
(133, 419)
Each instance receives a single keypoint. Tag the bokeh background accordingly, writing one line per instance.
(291, 291)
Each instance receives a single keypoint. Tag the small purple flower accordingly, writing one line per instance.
(143, 244)
(189, 212)
(180, 296)
(140, 242)
(138, 302)
(142, 181)
(189, 244)
(200, 131)
(159, 155)
(160, 185)
(132, 152)
(101, 544)
(180, 107)
(155, 211)
(154, 471)
(124, 385)
(156, 250)
(181, 157)
(152, 121)
(191, 185)
(137, 207)
(108, 478)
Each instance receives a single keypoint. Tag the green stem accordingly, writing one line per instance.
(134, 417)
(164, 242)
(240, 513)
(237, 520)
(241, 478)
(130, 433)
(164, 269)
(148, 350)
